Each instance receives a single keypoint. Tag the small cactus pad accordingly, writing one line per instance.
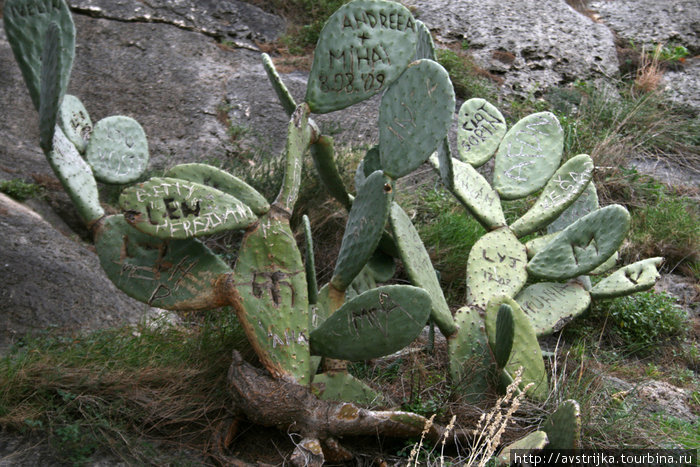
(563, 427)
(414, 117)
(170, 274)
(322, 153)
(117, 150)
(582, 246)
(425, 48)
(174, 208)
(281, 90)
(532, 442)
(376, 323)
(50, 93)
(538, 243)
(382, 266)
(551, 305)
(607, 265)
(299, 133)
(472, 189)
(528, 155)
(584, 204)
(419, 268)
(635, 277)
(503, 342)
(309, 262)
(363, 282)
(76, 177)
(271, 299)
(496, 266)
(370, 163)
(526, 350)
(480, 131)
(344, 387)
(559, 193)
(441, 160)
(216, 178)
(75, 122)
(363, 47)
(365, 226)
(470, 356)
(26, 23)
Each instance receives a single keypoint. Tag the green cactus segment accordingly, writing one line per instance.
(528, 155)
(419, 268)
(583, 246)
(563, 427)
(75, 122)
(117, 150)
(323, 309)
(364, 229)
(281, 90)
(174, 208)
(344, 387)
(299, 134)
(441, 160)
(538, 243)
(423, 94)
(635, 277)
(526, 350)
(425, 47)
(363, 282)
(607, 265)
(170, 274)
(559, 193)
(363, 47)
(310, 262)
(503, 342)
(472, 190)
(551, 305)
(382, 266)
(76, 177)
(369, 164)
(584, 204)
(532, 442)
(470, 356)
(322, 153)
(26, 24)
(496, 266)
(480, 131)
(50, 86)
(216, 178)
(376, 323)
(272, 303)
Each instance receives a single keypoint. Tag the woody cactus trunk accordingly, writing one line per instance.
(153, 252)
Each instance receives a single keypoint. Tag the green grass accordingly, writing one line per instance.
(467, 79)
(20, 190)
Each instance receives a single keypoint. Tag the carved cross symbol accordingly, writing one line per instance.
(363, 37)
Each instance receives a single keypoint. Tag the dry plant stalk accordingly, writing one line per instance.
(649, 73)
(416, 448)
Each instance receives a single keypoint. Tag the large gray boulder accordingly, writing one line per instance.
(532, 45)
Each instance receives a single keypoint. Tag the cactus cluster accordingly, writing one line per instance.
(153, 252)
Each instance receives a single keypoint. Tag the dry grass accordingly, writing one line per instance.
(650, 73)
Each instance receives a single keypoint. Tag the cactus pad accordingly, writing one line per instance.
(173, 208)
(117, 150)
(632, 278)
(532, 442)
(370, 163)
(216, 178)
(365, 226)
(363, 47)
(567, 184)
(381, 266)
(419, 268)
(344, 387)
(503, 343)
(75, 122)
(26, 24)
(425, 47)
(50, 93)
(551, 305)
(480, 131)
(322, 153)
(586, 203)
(496, 266)
(470, 356)
(376, 323)
(536, 244)
(472, 189)
(563, 427)
(422, 94)
(170, 274)
(528, 155)
(281, 90)
(582, 246)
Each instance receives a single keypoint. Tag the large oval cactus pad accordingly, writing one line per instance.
(632, 278)
(117, 150)
(528, 155)
(75, 122)
(551, 305)
(170, 274)
(419, 268)
(496, 266)
(174, 208)
(583, 246)
(567, 184)
(414, 117)
(472, 189)
(271, 301)
(376, 323)
(26, 23)
(364, 228)
(223, 181)
(363, 47)
(480, 131)
(470, 356)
